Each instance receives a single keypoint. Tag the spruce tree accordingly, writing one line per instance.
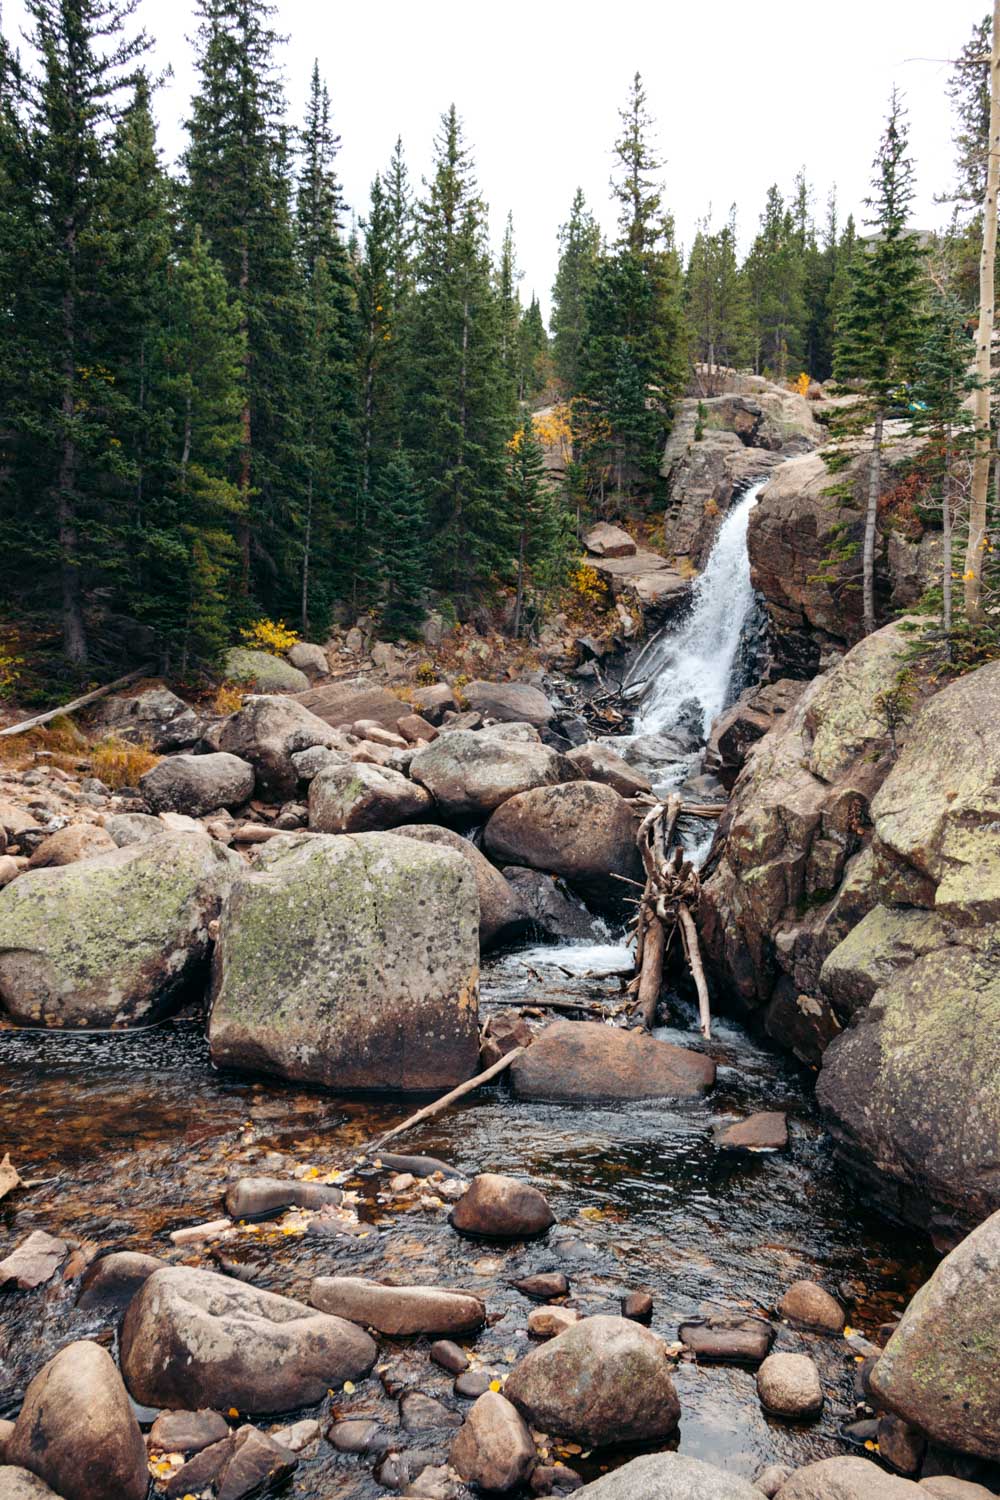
(774, 271)
(400, 518)
(716, 303)
(533, 359)
(540, 522)
(509, 301)
(880, 329)
(579, 249)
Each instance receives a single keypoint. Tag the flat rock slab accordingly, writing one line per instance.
(33, 1262)
(397, 1310)
(605, 540)
(764, 1131)
(743, 1341)
(340, 704)
(588, 1060)
(186, 1431)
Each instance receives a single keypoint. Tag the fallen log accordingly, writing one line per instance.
(70, 708)
(430, 1110)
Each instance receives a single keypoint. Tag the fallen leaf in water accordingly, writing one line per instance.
(495, 1385)
(349, 1387)
(9, 1178)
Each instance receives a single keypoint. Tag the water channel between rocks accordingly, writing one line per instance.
(137, 1136)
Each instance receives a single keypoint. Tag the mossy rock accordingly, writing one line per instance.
(265, 673)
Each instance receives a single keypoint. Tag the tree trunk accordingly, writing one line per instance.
(946, 549)
(246, 431)
(74, 633)
(973, 571)
(871, 519)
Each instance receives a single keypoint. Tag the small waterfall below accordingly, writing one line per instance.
(689, 673)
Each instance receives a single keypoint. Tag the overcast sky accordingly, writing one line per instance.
(744, 94)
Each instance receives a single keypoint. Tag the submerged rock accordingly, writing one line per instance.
(253, 1197)
(739, 1340)
(351, 962)
(502, 1208)
(765, 1131)
(668, 1476)
(588, 1060)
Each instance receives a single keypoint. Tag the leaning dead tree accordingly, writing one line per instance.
(668, 899)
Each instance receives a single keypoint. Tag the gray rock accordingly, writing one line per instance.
(263, 672)
(470, 773)
(668, 1476)
(789, 1386)
(310, 659)
(197, 784)
(770, 1480)
(254, 1197)
(552, 908)
(268, 732)
(597, 763)
(361, 798)
(502, 916)
(20, 1484)
(155, 717)
(132, 828)
(846, 1479)
(509, 701)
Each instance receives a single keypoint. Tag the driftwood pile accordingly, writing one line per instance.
(668, 898)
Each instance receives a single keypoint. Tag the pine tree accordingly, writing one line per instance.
(533, 359)
(541, 524)
(774, 271)
(716, 303)
(509, 301)
(402, 531)
(579, 249)
(881, 329)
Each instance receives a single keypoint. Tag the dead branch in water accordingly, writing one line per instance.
(430, 1110)
(669, 895)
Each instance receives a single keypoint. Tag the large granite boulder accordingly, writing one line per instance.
(604, 1381)
(263, 672)
(596, 762)
(194, 1339)
(76, 1429)
(267, 731)
(503, 916)
(471, 774)
(940, 1370)
(668, 1476)
(361, 798)
(341, 704)
(113, 941)
(155, 717)
(509, 702)
(197, 784)
(582, 831)
(588, 1060)
(310, 659)
(847, 1478)
(350, 961)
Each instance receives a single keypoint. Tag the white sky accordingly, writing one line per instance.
(744, 93)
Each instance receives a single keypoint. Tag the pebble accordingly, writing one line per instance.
(544, 1286)
(449, 1356)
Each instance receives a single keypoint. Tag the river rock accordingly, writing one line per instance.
(255, 1197)
(552, 908)
(605, 540)
(186, 1431)
(548, 1322)
(806, 1305)
(255, 1461)
(668, 1476)
(765, 1131)
(637, 1305)
(397, 1310)
(502, 916)
(740, 1340)
(900, 1446)
(351, 962)
(363, 799)
(494, 1449)
(472, 1383)
(197, 784)
(19, 1484)
(267, 732)
(310, 659)
(113, 1280)
(588, 1060)
(597, 763)
(940, 1370)
(67, 845)
(33, 1262)
(449, 1356)
(115, 940)
(76, 1429)
(544, 1285)
(471, 774)
(509, 702)
(262, 671)
(604, 1381)
(501, 1208)
(789, 1386)
(846, 1479)
(193, 1338)
(582, 831)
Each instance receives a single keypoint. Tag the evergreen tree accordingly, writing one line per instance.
(968, 88)
(579, 249)
(402, 531)
(880, 329)
(379, 430)
(716, 303)
(541, 525)
(774, 271)
(509, 301)
(533, 360)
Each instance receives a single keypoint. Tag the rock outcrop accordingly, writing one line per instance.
(350, 961)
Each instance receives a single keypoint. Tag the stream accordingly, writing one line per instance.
(135, 1134)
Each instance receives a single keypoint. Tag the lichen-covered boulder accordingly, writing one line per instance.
(471, 774)
(502, 914)
(112, 941)
(940, 1370)
(197, 784)
(351, 961)
(267, 732)
(509, 702)
(265, 673)
(360, 798)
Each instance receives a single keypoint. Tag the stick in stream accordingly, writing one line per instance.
(689, 935)
(69, 708)
(430, 1110)
(651, 974)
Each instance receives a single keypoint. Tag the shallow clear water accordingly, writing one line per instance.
(139, 1136)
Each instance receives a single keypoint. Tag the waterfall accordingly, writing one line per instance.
(687, 672)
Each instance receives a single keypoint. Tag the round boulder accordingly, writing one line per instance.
(471, 774)
(261, 670)
(267, 732)
(789, 1386)
(847, 1479)
(310, 659)
(362, 798)
(194, 1339)
(494, 1449)
(604, 1381)
(500, 1207)
(806, 1305)
(67, 845)
(668, 1476)
(197, 784)
(76, 1429)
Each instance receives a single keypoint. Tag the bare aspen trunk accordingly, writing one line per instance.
(871, 519)
(973, 571)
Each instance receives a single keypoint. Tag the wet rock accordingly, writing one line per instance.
(471, 774)
(638, 1306)
(359, 798)
(901, 1446)
(420, 1413)
(192, 1337)
(502, 915)
(6, 1433)
(268, 732)
(472, 1383)
(509, 702)
(502, 1034)
(114, 941)
(605, 1380)
(806, 1305)
(739, 1340)
(420, 1166)
(789, 1386)
(548, 1322)
(254, 1461)
(597, 763)
(437, 1482)
(548, 1479)
(256, 1197)
(132, 828)
(186, 1431)
(668, 1476)
(494, 1449)
(551, 908)
(765, 1131)
(198, 784)
(940, 1370)
(501, 1208)
(581, 831)
(263, 672)
(310, 659)
(67, 845)
(19, 1484)
(114, 1279)
(329, 970)
(76, 1429)
(544, 1285)
(34, 1261)
(588, 1060)
(846, 1479)
(449, 1356)
(358, 1436)
(770, 1480)
(397, 1310)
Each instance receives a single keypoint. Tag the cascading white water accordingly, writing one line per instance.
(693, 662)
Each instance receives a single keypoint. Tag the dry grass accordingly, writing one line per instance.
(119, 763)
(61, 740)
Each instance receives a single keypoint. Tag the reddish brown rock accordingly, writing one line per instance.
(588, 1060)
(494, 1449)
(766, 1131)
(397, 1310)
(67, 845)
(501, 1207)
(544, 1285)
(549, 1322)
(186, 1431)
(740, 1340)
(806, 1305)
(116, 1278)
(35, 1260)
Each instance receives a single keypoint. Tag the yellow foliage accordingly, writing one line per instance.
(802, 384)
(273, 636)
(228, 698)
(554, 428)
(426, 673)
(10, 667)
(118, 763)
(588, 585)
(711, 507)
